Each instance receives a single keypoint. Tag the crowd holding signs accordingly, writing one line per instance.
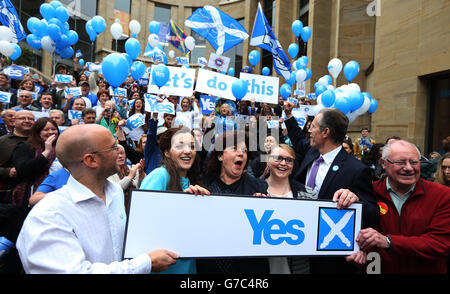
(166, 130)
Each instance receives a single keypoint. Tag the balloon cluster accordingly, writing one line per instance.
(7, 48)
(52, 32)
(95, 26)
(347, 98)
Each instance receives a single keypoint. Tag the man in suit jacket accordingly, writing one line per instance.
(331, 172)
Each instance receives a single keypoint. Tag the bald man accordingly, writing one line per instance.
(80, 228)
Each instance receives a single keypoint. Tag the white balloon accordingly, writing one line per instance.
(352, 116)
(48, 44)
(116, 30)
(319, 100)
(153, 40)
(190, 43)
(300, 76)
(323, 81)
(6, 48)
(335, 67)
(135, 27)
(330, 87)
(171, 54)
(354, 86)
(366, 105)
(6, 34)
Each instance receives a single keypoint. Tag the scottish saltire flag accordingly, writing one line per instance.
(263, 37)
(221, 30)
(176, 37)
(9, 18)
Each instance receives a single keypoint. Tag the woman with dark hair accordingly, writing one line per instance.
(138, 107)
(442, 175)
(372, 159)
(34, 158)
(226, 174)
(179, 171)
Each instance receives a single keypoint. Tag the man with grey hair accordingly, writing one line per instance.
(413, 235)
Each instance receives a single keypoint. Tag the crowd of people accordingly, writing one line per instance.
(90, 163)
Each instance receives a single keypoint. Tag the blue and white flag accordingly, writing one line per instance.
(9, 18)
(221, 30)
(263, 37)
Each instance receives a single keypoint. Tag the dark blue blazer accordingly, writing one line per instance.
(346, 172)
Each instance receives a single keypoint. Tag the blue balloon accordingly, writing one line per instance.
(231, 71)
(133, 48)
(66, 53)
(292, 78)
(330, 80)
(303, 61)
(341, 104)
(34, 41)
(63, 42)
(55, 4)
(253, 57)
(72, 37)
(56, 22)
(54, 32)
(42, 29)
(137, 70)
(239, 89)
(99, 24)
(266, 71)
(373, 106)
(153, 27)
(62, 14)
(115, 69)
(91, 31)
(160, 75)
(320, 89)
(285, 91)
(17, 52)
(81, 61)
(366, 94)
(129, 60)
(300, 65)
(328, 98)
(306, 33)
(47, 11)
(351, 70)
(32, 24)
(355, 99)
(297, 27)
(293, 50)
(308, 74)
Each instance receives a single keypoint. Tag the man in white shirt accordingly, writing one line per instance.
(80, 228)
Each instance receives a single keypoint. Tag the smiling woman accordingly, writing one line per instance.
(35, 158)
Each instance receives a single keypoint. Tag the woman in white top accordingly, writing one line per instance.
(127, 177)
(187, 113)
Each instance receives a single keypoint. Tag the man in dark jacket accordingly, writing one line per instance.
(413, 236)
(331, 172)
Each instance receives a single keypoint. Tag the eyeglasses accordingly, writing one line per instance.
(115, 147)
(444, 167)
(402, 163)
(279, 159)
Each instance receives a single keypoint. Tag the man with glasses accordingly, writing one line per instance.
(413, 235)
(24, 101)
(80, 228)
(11, 217)
(326, 168)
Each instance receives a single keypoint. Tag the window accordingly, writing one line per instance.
(304, 12)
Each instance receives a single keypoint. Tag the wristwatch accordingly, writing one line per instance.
(389, 241)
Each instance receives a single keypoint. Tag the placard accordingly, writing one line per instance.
(207, 104)
(74, 114)
(238, 226)
(65, 79)
(261, 88)
(75, 91)
(180, 83)
(219, 62)
(152, 105)
(215, 84)
(5, 97)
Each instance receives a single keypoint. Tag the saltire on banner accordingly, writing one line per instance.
(263, 37)
(9, 18)
(176, 37)
(221, 30)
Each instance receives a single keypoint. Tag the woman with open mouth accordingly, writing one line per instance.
(226, 174)
(179, 171)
